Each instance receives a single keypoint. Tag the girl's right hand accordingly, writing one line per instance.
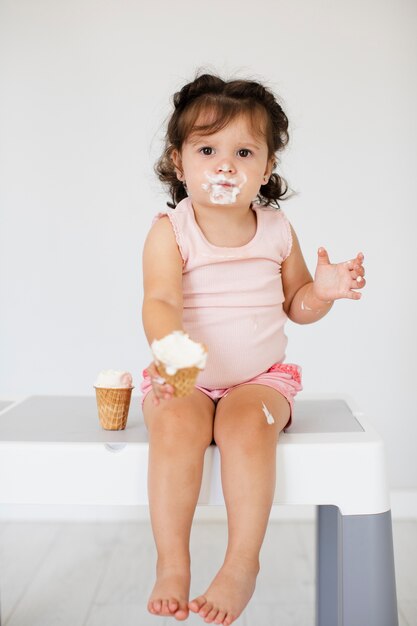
(162, 391)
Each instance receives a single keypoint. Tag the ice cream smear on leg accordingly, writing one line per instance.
(177, 351)
(269, 417)
(223, 190)
(114, 379)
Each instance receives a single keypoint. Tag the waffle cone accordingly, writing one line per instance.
(183, 380)
(113, 407)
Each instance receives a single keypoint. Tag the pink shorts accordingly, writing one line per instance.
(284, 377)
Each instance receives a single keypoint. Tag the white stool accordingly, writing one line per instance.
(53, 451)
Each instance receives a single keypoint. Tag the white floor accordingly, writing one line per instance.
(100, 574)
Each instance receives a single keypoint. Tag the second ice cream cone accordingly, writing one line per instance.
(113, 407)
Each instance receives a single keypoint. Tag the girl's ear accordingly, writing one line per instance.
(176, 159)
(269, 167)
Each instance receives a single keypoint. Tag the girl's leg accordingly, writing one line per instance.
(180, 430)
(247, 446)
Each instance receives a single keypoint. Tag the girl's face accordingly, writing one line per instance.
(226, 168)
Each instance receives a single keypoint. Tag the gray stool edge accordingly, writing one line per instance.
(355, 583)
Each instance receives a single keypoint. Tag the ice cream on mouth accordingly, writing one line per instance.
(114, 379)
(177, 351)
(223, 190)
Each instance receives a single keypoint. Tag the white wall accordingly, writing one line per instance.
(85, 89)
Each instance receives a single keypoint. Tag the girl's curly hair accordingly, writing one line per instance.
(228, 100)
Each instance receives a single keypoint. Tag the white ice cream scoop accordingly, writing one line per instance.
(114, 379)
(177, 351)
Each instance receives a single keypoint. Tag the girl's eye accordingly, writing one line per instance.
(209, 153)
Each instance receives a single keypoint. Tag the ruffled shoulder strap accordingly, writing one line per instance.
(288, 234)
(178, 219)
(276, 227)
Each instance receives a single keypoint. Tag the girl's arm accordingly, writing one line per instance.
(308, 300)
(162, 282)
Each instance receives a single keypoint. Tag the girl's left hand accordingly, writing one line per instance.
(338, 280)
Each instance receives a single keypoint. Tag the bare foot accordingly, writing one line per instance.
(170, 594)
(228, 594)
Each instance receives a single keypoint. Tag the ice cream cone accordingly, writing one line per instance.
(179, 360)
(113, 406)
(183, 380)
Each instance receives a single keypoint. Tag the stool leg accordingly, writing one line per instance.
(369, 592)
(328, 574)
(355, 569)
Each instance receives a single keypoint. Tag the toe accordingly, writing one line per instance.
(196, 604)
(211, 615)
(228, 619)
(220, 617)
(157, 605)
(182, 613)
(173, 605)
(205, 609)
(165, 608)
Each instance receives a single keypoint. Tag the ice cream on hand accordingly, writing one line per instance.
(113, 394)
(179, 360)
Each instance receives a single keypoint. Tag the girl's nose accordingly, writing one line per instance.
(225, 167)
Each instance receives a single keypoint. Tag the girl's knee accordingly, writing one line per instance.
(251, 432)
(172, 427)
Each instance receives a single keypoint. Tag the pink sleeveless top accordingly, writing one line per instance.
(233, 296)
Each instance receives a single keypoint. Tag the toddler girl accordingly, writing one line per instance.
(224, 265)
